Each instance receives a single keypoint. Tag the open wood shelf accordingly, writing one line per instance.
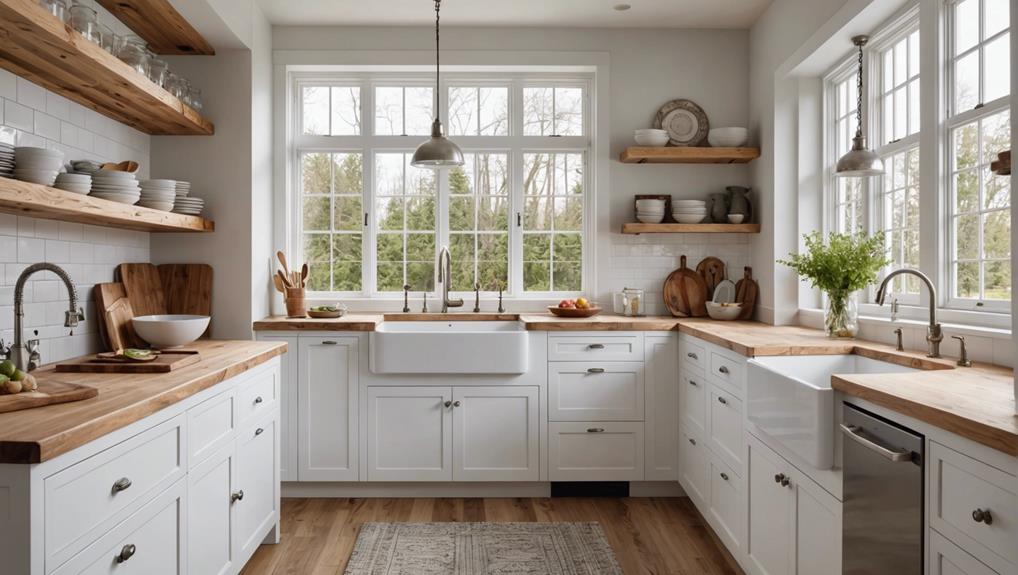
(638, 228)
(27, 199)
(650, 155)
(162, 27)
(41, 48)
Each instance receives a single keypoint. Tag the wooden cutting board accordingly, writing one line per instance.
(144, 288)
(712, 270)
(115, 312)
(187, 289)
(685, 292)
(165, 362)
(745, 293)
(49, 393)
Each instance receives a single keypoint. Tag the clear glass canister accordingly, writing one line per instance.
(630, 302)
(157, 70)
(83, 19)
(55, 7)
(194, 97)
(134, 52)
(107, 39)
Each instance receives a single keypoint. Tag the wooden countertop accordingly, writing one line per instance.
(40, 434)
(532, 321)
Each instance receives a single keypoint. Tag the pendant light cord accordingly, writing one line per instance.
(858, 94)
(438, 96)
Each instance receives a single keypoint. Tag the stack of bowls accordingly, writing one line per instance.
(6, 160)
(37, 165)
(190, 206)
(651, 137)
(650, 211)
(158, 194)
(121, 187)
(183, 188)
(77, 183)
(689, 211)
(728, 137)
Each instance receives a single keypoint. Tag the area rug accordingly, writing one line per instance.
(482, 549)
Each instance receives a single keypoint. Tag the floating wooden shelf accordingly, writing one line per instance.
(637, 228)
(648, 155)
(162, 27)
(27, 199)
(41, 48)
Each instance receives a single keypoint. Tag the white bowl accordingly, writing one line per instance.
(162, 206)
(44, 177)
(690, 212)
(650, 137)
(689, 218)
(689, 202)
(74, 178)
(73, 188)
(650, 218)
(27, 152)
(728, 137)
(170, 330)
(114, 175)
(724, 312)
(736, 218)
(650, 203)
(38, 164)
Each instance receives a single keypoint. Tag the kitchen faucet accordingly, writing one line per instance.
(934, 333)
(25, 357)
(445, 278)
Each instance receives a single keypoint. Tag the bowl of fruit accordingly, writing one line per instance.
(327, 311)
(13, 380)
(580, 307)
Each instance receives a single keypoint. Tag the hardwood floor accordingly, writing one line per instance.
(649, 535)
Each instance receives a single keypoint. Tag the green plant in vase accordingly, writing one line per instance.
(840, 267)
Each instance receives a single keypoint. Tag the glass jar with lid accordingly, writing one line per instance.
(629, 302)
(194, 98)
(83, 19)
(55, 7)
(134, 52)
(157, 70)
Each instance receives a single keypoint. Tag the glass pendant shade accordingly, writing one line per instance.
(438, 152)
(860, 161)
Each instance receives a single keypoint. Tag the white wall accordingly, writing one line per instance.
(647, 68)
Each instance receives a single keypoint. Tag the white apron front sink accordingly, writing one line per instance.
(790, 399)
(453, 347)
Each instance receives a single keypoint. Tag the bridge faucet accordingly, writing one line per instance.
(26, 357)
(445, 278)
(934, 333)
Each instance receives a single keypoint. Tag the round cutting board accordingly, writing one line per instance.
(685, 122)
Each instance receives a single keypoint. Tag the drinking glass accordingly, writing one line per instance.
(55, 7)
(157, 70)
(83, 19)
(134, 52)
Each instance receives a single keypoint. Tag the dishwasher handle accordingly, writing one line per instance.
(855, 433)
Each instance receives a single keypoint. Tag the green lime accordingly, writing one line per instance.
(138, 353)
(18, 375)
(3, 379)
(7, 368)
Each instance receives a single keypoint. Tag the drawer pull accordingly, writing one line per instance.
(238, 496)
(782, 479)
(982, 516)
(722, 401)
(121, 484)
(692, 441)
(596, 346)
(724, 476)
(692, 355)
(595, 430)
(259, 431)
(126, 553)
(693, 383)
(258, 400)
(329, 342)
(723, 370)
(595, 370)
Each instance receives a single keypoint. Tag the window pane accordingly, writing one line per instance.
(494, 118)
(347, 173)
(405, 214)
(479, 202)
(553, 204)
(315, 110)
(462, 111)
(913, 54)
(967, 280)
(317, 254)
(900, 62)
(996, 17)
(966, 82)
(316, 172)
(996, 133)
(388, 111)
(966, 192)
(330, 210)
(997, 281)
(967, 237)
(537, 111)
(997, 235)
(569, 111)
(346, 262)
(419, 112)
(346, 111)
(997, 80)
(966, 25)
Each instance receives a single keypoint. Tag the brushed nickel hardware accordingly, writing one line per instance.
(855, 433)
(122, 484)
(126, 552)
(781, 479)
(595, 430)
(723, 370)
(692, 441)
(447, 404)
(424, 297)
(456, 404)
(692, 355)
(595, 370)
(724, 475)
(477, 297)
(898, 332)
(500, 288)
(964, 360)
(406, 298)
(259, 431)
(258, 400)
(982, 516)
(934, 333)
(329, 342)
(722, 400)
(21, 354)
(596, 346)
(894, 309)
(445, 278)
(34, 357)
(238, 496)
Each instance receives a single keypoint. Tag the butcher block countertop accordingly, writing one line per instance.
(533, 321)
(40, 434)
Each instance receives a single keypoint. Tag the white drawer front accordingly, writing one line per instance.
(946, 558)
(694, 355)
(726, 510)
(258, 395)
(594, 391)
(150, 542)
(727, 372)
(973, 504)
(693, 402)
(694, 468)
(595, 451)
(724, 422)
(210, 425)
(87, 499)
(595, 347)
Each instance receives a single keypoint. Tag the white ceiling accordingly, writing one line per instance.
(552, 13)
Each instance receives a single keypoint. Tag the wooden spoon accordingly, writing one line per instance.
(282, 261)
(282, 277)
(125, 166)
(304, 275)
(278, 282)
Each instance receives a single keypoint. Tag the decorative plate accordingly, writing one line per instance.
(685, 122)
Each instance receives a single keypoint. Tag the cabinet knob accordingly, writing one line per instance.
(238, 496)
(982, 516)
(121, 484)
(595, 430)
(722, 400)
(692, 441)
(595, 370)
(782, 479)
(692, 355)
(693, 383)
(126, 553)
(447, 404)
(724, 476)
(258, 399)
(456, 404)
(723, 370)
(259, 431)
(596, 346)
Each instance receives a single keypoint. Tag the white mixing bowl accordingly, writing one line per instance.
(164, 331)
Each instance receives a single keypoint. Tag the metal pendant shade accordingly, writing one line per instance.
(860, 161)
(438, 152)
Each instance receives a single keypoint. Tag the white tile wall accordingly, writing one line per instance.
(33, 116)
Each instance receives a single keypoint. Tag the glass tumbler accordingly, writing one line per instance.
(157, 71)
(134, 52)
(194, 95)
(55, 7)
(107, 39)
(83, 19)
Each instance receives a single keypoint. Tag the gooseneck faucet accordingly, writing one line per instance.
(934, 333)
(445, 278)
(20, 353)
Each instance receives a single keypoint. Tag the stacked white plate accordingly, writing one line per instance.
(115, 186)
(37, 165)
(6, 160)
(689, 211)
(183, 188)
(77, 183)
(158, 194)
(188, 205)
(650, 211)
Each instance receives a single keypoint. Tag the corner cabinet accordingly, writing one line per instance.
(328, 376)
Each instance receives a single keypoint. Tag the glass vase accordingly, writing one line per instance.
(841, 315)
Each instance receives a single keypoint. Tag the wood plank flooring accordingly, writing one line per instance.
(652, 536)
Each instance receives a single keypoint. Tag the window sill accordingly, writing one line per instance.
(815, 318)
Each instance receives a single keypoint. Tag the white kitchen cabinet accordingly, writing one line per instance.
(694, 467)
(596, 391)
(257, 484)
(618, 346)
(724, 426)
(210, 546)
(288, 406)
(595, 451)
(495, 433)
(725, 508)
(693, 402)
(328, 374)
(410, 433)
(661, 385)
(946, 558)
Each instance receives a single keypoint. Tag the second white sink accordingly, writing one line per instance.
(453, 347)
(790, 399)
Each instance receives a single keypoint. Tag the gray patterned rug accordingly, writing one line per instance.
(482, 549)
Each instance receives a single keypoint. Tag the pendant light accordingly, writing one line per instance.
(860, 161)
(438, 152)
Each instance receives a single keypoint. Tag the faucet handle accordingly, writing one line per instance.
(5, 349)
(34, 357)
(964, 360)
(899, 347)
(71, 318)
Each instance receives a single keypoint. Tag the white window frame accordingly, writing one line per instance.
(368, 144)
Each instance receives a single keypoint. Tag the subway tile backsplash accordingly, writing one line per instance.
(33, 116)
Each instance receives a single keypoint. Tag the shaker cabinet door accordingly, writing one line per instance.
(327, 435)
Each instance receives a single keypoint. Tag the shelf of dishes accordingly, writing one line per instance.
(640, 228)
(68, 51)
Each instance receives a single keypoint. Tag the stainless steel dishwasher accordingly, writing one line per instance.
(883, 463)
